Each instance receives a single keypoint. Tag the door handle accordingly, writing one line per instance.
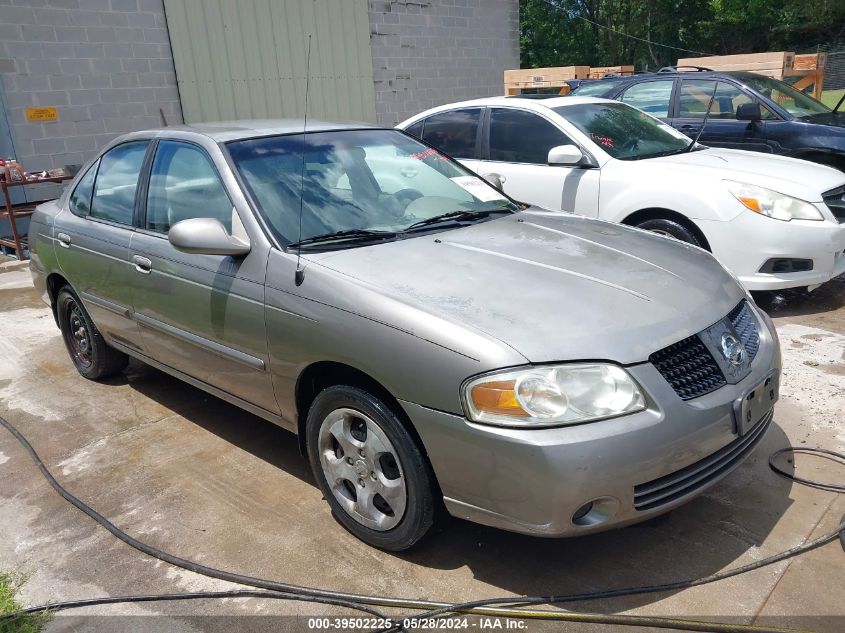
(64, 240)
(142, 264)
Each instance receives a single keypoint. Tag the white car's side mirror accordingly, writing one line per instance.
(565, 155)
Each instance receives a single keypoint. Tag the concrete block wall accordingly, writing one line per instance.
(105, 64)
(430, 52)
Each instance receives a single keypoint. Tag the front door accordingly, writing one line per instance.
(202, 315)
(92, 241)
(518, 147)
(723, 129)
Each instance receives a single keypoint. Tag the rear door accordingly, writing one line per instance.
(200, 314)
(723, 129)
(517, 144)
(92, 240)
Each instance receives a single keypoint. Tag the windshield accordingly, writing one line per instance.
(358, 181)
(624, 132)
(793, 101)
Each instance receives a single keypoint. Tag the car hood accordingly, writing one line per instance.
(835, 119)
(550, 285)
(798, 178)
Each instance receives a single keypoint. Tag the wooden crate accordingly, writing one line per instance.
(771, 64)
(598, 72)
(516, 80)
(808, 68)
(812, 61)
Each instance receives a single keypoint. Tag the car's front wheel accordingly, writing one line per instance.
(91, 355)
(671, 228)
(369, 468)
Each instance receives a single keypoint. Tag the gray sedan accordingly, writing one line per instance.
(430, 341)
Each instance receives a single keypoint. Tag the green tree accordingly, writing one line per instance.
(654, 33)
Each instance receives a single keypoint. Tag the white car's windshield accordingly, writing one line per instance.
(624, 132)
(359, 185)
(793, 101)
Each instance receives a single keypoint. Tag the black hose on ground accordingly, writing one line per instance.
(281, 590)
(189, 595)
(822, 452)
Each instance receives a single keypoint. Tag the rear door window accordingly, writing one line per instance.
(117, 180)
(454, 132)
(650, 96)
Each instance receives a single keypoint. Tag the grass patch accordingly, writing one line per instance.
(831, 97)
(9, 586)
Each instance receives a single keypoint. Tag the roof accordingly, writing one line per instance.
(223, 131)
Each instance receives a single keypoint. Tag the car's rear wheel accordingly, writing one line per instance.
(369, 468)
(671, 228)
(91, 355)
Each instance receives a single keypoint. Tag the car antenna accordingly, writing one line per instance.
(839, 105)
(299, 275)
(706, 116)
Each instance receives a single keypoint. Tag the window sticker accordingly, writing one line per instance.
(603, 141)
(478, 188)
(429, 153)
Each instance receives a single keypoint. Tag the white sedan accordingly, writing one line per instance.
(776, 222)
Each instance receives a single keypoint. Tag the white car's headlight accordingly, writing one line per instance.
(552, 395)
(771, 203)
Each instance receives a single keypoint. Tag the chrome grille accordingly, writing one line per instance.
(835, 201)
(746, 328)
(690, 367)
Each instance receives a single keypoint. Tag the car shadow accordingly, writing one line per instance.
(794, 302)
(250, 433)
(698, 539)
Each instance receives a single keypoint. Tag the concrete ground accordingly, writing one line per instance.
(204, 480)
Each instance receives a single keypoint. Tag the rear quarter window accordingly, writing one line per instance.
(80, 199)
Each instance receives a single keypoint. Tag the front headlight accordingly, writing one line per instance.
(771, 203)
(552, 395)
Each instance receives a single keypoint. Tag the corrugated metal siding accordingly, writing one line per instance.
(246, 59)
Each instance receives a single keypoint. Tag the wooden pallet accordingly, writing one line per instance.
(518, 79)
(779, 65)
(599, 72)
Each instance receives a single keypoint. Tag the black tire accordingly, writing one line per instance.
(672, 228)
(91, 355)
(413, 469)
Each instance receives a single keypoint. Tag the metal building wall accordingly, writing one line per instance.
(246, 58)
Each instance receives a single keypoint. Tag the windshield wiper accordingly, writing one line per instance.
(454, 216)
(347, 234)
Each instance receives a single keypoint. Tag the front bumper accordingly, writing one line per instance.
(747, 242)
(534, 481)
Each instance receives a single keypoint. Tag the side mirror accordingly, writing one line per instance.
(565, 155)
(749, 112)
(496, 180)
(205, 236)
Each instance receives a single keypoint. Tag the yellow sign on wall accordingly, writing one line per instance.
(42, 115)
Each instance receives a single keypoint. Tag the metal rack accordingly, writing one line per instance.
(18, 242)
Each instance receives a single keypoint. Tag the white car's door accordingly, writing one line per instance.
(518, 146)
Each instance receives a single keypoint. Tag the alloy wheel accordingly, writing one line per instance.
(362, 469)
